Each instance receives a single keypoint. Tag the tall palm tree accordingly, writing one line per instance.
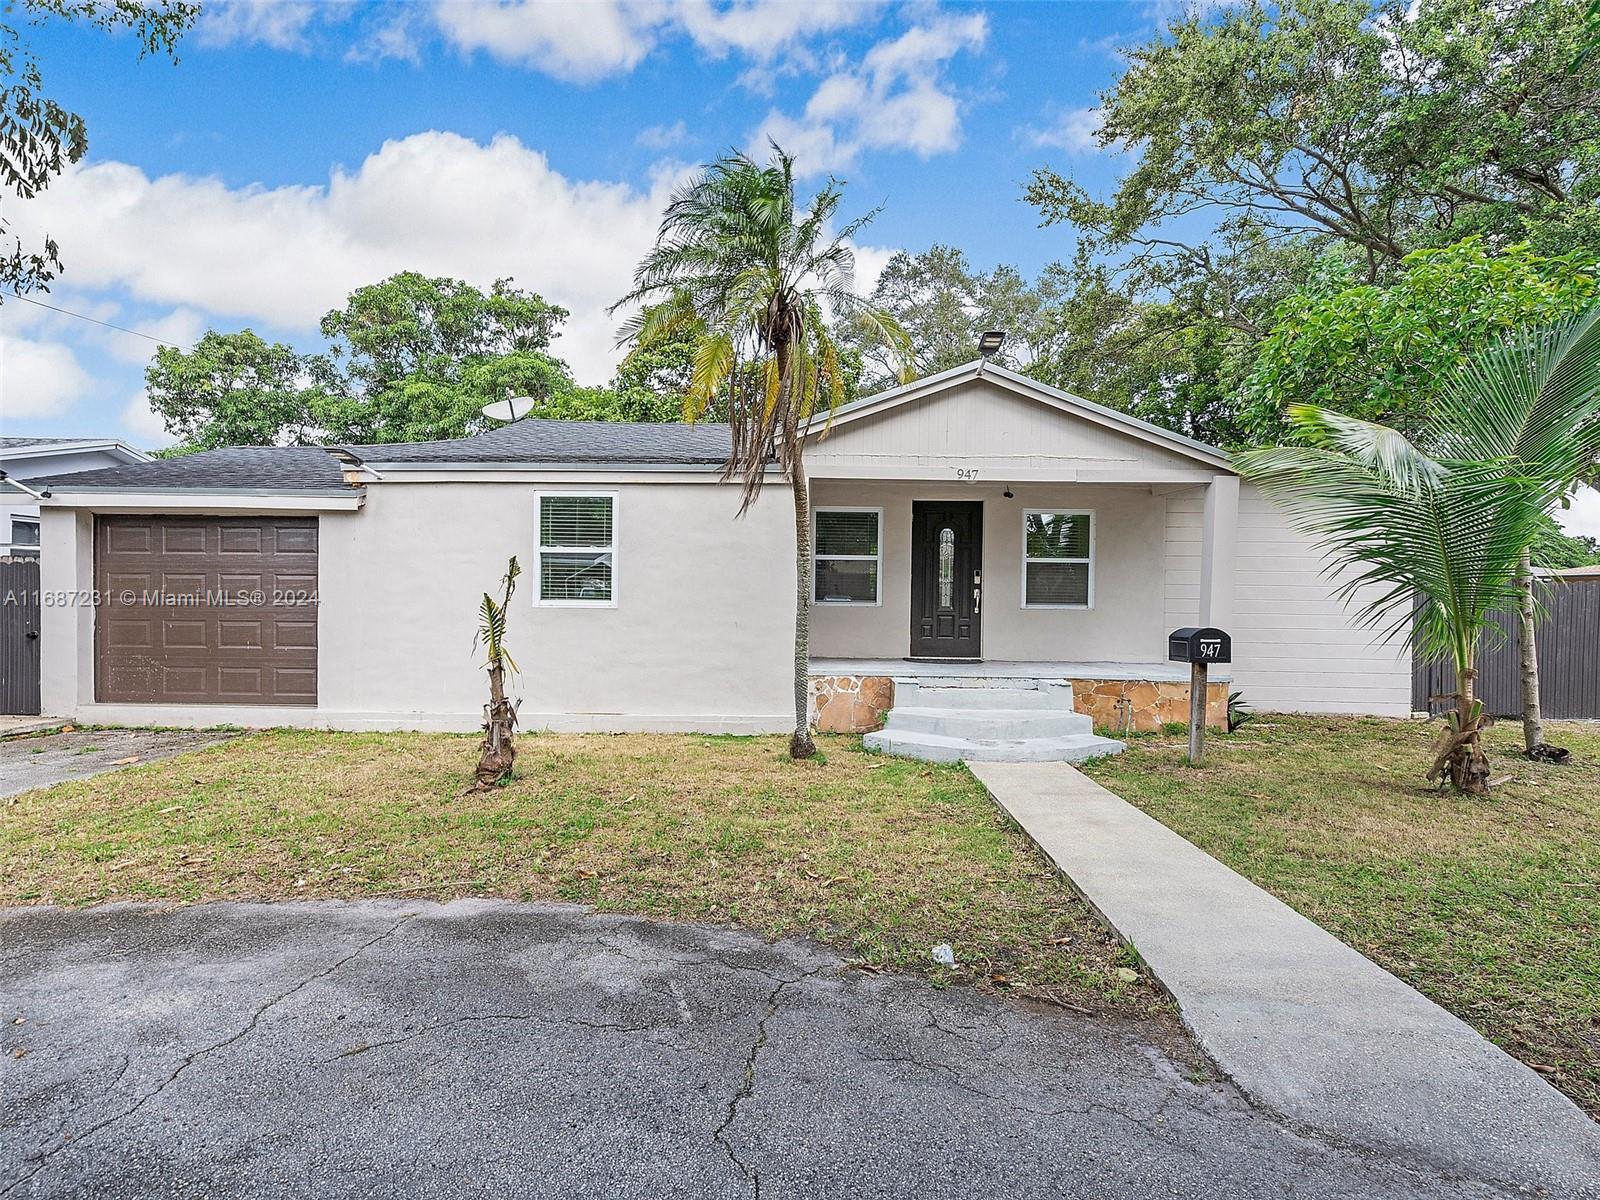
(753, 279)
(1444, 531)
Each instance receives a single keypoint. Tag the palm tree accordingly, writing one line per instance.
(1549, 434)
(1444, 532)
(498, 752)
(753, 280)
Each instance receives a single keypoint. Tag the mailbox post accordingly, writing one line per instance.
(1199, 647)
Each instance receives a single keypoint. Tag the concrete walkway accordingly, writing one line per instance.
(1298, 1020)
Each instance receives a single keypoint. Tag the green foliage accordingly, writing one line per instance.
(1557, 550)
(491, 632)
(942, 304)
(39, 137)
(411, 359)
(233, 389)
(414, 358)
(1342, 129)
(1379, 351)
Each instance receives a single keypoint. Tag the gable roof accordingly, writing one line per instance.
(1032, 389)
(233, 469)
(42, 447)
(537, 441)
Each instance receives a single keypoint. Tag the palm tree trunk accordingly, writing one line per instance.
(1532, 716)
(801, 745)
(1469, 766)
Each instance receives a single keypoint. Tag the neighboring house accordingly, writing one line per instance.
(972, 515)
(24, 458)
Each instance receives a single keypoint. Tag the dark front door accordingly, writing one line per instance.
(946, 578)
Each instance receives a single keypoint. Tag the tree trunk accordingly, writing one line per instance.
(1532, 717)
(1459, 750)
(801, 745)
(498, 753)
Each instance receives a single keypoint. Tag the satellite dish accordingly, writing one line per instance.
(512, 408)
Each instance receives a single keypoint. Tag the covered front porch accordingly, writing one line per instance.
(977, 528)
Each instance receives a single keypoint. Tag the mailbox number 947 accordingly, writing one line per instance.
(967, 473)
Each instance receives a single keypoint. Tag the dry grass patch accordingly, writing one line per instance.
(880, 857)
(1490, 907)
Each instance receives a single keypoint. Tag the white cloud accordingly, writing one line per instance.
(589, 41)
(1075, 131)
(432, 202)
(577, 42)
(143, 425)
(870, 262)
(1583, 517)
(895, 98)
(663, 137)
(762, 28)
(280, 24)
(38, 379)
(181, 327)
(396, 39)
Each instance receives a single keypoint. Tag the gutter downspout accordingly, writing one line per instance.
(17, 483)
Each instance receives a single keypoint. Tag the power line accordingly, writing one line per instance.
(67, 312)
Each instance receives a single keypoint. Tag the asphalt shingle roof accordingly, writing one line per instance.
(12, 443)
(544, 441)
(312, 468)
(255, 468)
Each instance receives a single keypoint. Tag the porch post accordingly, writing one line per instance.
(1219, 537)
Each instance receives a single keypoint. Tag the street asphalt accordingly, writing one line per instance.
(484, 1048)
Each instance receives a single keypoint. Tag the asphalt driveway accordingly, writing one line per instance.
(34, 762)
(485, 1048)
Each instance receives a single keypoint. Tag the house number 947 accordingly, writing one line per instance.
(967, 473)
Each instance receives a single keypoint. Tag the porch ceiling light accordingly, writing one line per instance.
(989, 343)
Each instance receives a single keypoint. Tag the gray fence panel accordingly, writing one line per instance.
(19, 635)
(1569, 660)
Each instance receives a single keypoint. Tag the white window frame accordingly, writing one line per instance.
(877, 599)
(540, 549)
(25, 547)
(1094, 525)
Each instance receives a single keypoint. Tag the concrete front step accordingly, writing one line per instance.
(933, 747)
(1013, 694)
(988, 724)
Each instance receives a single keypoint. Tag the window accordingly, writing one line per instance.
(24, 534)
(577, 550)
(847, 555)
(1058, 559)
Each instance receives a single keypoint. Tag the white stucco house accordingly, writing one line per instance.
(970, 527)
(25, 458)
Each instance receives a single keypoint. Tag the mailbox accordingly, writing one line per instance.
(1192, 645)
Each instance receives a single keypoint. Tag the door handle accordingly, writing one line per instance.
(32, 635)
(977, 599)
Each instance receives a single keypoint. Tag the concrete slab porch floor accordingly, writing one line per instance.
(1296, 1019)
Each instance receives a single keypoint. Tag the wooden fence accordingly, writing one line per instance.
(1569, 659)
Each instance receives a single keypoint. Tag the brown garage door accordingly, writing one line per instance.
(206, 610)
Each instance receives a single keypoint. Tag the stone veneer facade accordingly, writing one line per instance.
(857, 703)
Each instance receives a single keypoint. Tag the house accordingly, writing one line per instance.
(25, 458)
(974, 528)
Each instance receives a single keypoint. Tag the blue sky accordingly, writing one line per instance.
(298, 150)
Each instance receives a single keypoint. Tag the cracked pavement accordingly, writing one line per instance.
(385, 1048)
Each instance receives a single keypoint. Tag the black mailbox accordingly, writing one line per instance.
(1192, 645)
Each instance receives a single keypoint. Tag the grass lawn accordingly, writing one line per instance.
(880, 857)
(1489, 907)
